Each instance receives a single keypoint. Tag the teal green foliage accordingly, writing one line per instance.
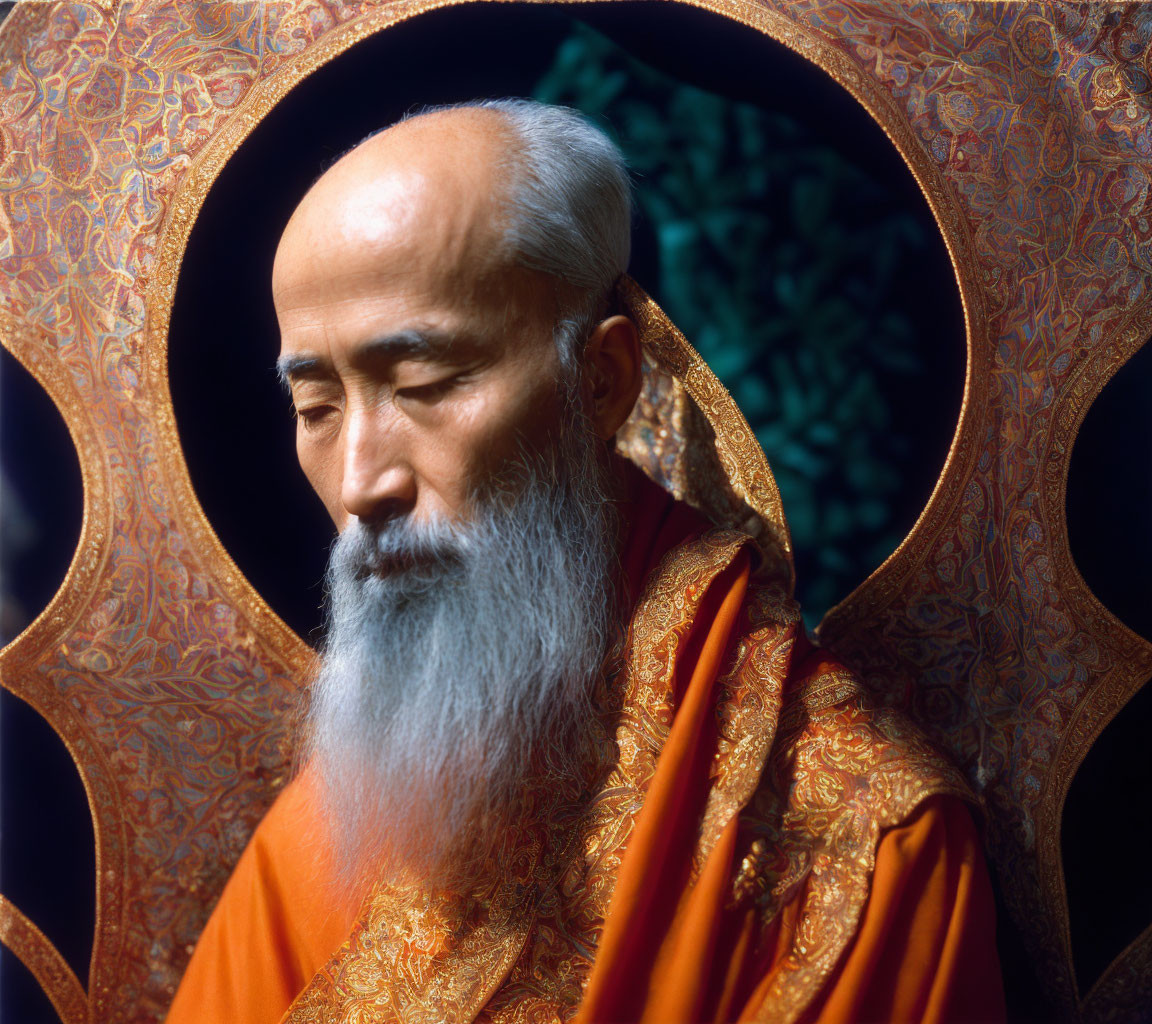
(769, 268)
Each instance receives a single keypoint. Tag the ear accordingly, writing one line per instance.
(612, 374)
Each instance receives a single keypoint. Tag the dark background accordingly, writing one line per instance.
(780, 230)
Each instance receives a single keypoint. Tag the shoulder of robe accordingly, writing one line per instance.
(840, 770)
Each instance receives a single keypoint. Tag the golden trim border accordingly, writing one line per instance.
(740, 455)
(48, 967)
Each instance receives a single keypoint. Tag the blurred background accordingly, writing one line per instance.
(775, 223)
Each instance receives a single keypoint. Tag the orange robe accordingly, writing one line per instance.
(736, 928)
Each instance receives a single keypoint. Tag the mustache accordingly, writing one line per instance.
(412, 551)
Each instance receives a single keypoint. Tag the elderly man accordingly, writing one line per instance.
(568, 753)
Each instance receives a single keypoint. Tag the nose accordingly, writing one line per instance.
(378, 482)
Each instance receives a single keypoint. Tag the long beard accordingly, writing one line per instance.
(456, 655)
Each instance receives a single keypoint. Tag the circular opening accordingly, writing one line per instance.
(775, 223)
(1108, 503)
(1109, 496)
(47, 861)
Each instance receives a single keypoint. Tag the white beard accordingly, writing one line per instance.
(455, 652)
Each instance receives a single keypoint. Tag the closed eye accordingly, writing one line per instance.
(313, 416)
(431, 392)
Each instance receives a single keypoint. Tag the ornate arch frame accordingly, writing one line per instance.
(156, 661)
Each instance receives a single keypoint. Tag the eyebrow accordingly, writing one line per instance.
(408, 344)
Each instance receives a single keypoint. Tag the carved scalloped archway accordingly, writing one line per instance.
(166, 674)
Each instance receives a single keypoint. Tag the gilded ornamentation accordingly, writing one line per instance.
(842, 770)
(690, 437)
(169, 678)
(63, 988)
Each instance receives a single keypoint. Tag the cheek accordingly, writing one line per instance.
(459, 453)
(322, 468)
(514, 418)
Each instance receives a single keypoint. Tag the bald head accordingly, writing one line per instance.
(554, 190)
(427, 191)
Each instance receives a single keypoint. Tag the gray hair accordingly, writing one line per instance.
(569, 208)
